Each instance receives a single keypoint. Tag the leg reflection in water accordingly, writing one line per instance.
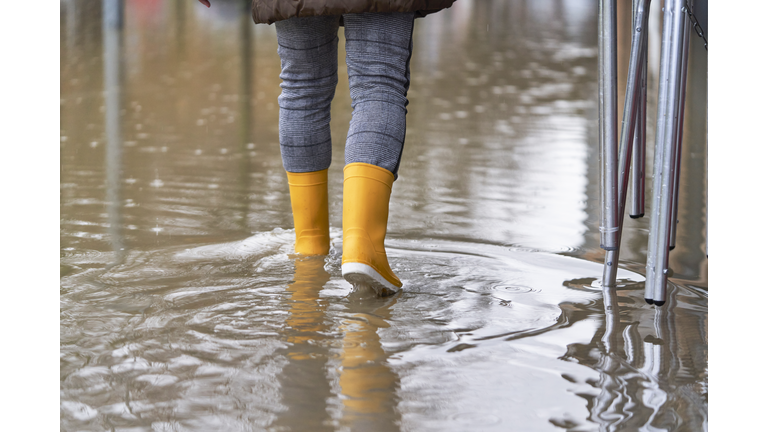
(368, 385)
(304, 380)
(363, 398)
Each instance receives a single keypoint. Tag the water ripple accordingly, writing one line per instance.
(172, 323)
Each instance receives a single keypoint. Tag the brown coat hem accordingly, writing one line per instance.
(270, 11)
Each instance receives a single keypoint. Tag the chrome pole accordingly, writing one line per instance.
(633, 345)
(639, 27)
(679, 132)
(612, 333)
(608, 142)
(638, 152)
(661, 202)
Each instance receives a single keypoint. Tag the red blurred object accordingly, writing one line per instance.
(145, 10)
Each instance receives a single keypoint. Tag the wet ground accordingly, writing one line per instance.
(183, 307)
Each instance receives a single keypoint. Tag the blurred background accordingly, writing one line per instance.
(501, 143)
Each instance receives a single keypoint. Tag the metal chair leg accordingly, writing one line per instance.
(675, 188)
(637, 210)
(631, 105)
(608, 142)
(661, 203)
(679, 131)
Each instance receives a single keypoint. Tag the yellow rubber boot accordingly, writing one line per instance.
(366, 208)
(309, 202)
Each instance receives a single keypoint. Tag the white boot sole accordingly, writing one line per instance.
(363, 274)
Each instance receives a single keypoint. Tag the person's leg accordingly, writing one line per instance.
(308, 53)
(379, 50)
(378, 54)
(308, 50)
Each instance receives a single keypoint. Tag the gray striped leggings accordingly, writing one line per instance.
(379, 47)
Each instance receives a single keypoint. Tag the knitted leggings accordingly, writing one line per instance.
(379, 47)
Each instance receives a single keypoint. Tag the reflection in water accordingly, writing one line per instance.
(207, 323)
(112, 28)
(180, 28)
(612, 406)
(246, 112)
(612, 319)
(502, 138)
(367, 383)
(303, 381)
(643, 383)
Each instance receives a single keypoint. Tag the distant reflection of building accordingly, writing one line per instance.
(112, 31)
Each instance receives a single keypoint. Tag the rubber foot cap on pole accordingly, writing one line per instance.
(649, 301)
(637, 216)
(659, 302)
(671, 248)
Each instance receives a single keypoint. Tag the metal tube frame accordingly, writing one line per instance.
(664, 158)
(607, 117)
(629, 119)
(637, 210)
(679, 132)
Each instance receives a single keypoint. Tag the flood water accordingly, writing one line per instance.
(183, 307)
